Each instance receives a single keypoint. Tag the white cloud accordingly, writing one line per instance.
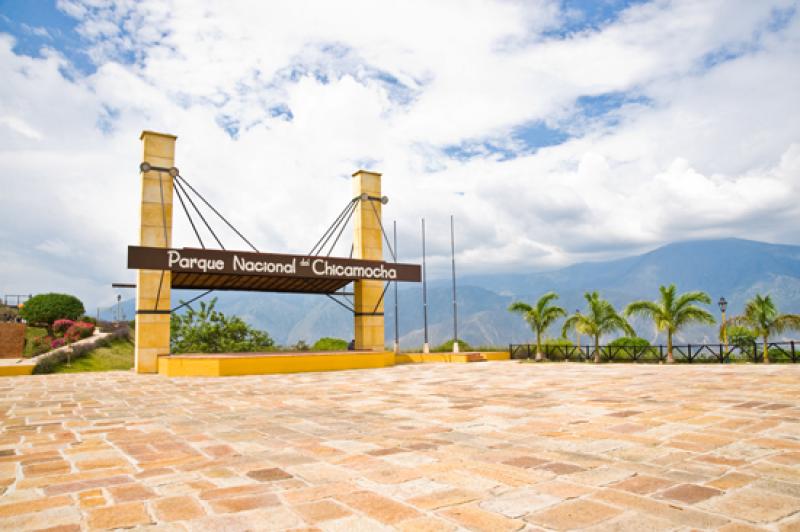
(710, 149)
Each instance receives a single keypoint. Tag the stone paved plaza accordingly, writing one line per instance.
(488, 446)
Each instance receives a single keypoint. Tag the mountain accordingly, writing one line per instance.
(734, 268)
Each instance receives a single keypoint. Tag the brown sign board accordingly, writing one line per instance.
(246, 263)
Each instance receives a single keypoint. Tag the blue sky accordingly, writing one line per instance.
(546, 127)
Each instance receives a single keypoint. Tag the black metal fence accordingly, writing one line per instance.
(778, 352)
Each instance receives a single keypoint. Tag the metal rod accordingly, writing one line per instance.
(455, 304)
(185, 182)
(424, 285)
(200, 214)
(341, 231)
(331, 229)
(187, 303)
(340, 303)
(396, 317)
(188, 215)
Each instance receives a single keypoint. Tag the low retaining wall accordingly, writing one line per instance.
(12, 339)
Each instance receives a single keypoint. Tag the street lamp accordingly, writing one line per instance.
(723, 305)
(119, 310)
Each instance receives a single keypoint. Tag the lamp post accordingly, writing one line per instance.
(723, 305)
(578, 332)
(119, 310)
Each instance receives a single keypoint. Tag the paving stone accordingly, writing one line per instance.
(124, 515)
(573, 514)
(474, 518)
(643, 484)
(317, 511)
(240, 504)
(440, 499)
(757, 506)
(519, 502)
(130, 492)
(270, 474)
(177, 509)
(377, 507)
(689, 493)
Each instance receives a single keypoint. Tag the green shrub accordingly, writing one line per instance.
(44, 309)
(301, 345)
(741, 337)
(626, 347)
(327, 343)
(555, 348)
(447, 347)
(209, 331)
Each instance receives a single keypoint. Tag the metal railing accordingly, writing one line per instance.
(778, 352)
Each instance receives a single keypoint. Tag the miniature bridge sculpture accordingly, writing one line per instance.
(162, 267)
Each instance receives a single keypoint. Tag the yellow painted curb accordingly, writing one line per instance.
(259, 364)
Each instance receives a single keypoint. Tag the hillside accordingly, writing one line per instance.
(733, 268)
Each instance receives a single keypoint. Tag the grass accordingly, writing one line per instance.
(118, 355)
(31, 333)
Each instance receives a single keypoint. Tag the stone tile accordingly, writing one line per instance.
(124, 515)
(177, 509)
(240, 504)
(326, 510)
(643, 484)
(689, 493)
(756, 506)
(573, 514)
(130, 492)
(268, 475)
(730, 481)
(474, 518)
(440, 499)
(519, 502)
(377, 507)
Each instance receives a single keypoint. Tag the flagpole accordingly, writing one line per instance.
(426, 348)
(455, 303)
(396, 318)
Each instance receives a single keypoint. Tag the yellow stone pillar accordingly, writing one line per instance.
(153, 286)
(368, 245)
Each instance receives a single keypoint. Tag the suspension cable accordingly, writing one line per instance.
(386, 238)
(187, 303)
(200, 214)
(343, 227)
(185, 182)
(188, 215)
(330, 228)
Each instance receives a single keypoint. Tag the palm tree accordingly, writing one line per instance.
(673, 312)
(601, 318)
(761, 315)
(540, 318)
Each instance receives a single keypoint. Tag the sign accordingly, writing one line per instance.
(213, 261)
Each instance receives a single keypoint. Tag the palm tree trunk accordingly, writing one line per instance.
(538, 346)
(597, 349)
(766, 350)
(670, 358)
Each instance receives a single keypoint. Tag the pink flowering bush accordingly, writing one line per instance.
(61, 326)
(57, 342)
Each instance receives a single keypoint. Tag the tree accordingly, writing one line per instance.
(209, 331)
(540, 318)
(761, 315)
(673, 312)
(601, 318)
(44, 309)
